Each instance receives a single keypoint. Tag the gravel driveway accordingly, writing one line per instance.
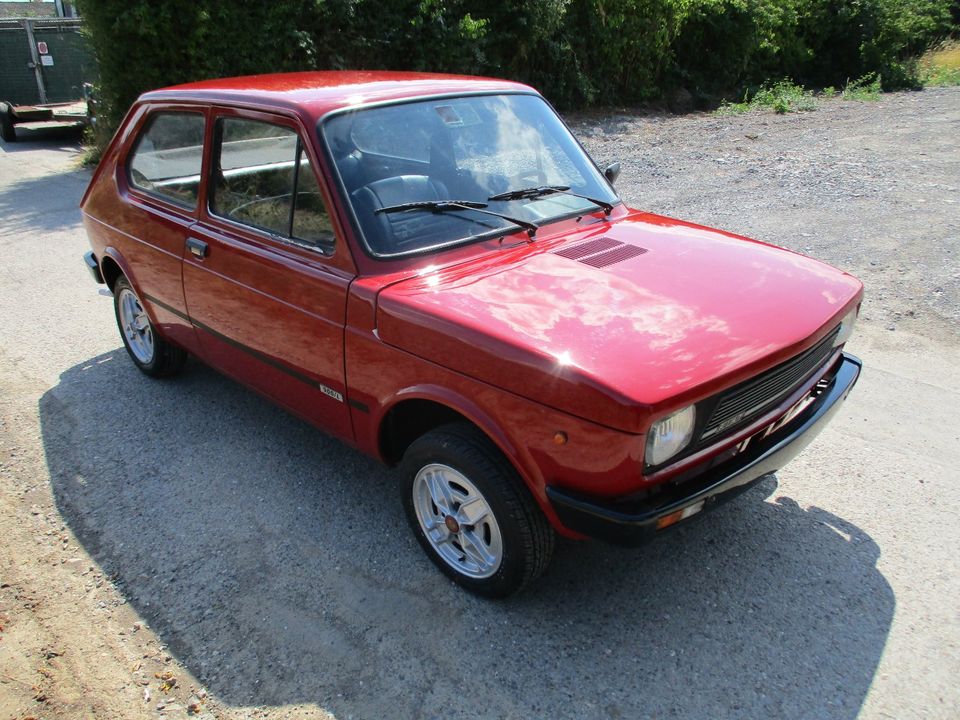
(871, 187)
(185, 548)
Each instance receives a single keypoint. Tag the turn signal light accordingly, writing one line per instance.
(675, 517)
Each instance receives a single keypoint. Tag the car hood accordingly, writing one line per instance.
(632, 318)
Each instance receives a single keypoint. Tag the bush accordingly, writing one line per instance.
(622, 46)
(145, 44)
(578, 52)
(729, 43)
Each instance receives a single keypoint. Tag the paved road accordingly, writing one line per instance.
(191, 527)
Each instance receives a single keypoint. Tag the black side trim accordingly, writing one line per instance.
(166, 307)
(357, 405)
(262, 357)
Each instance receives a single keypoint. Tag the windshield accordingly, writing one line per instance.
(467, 149)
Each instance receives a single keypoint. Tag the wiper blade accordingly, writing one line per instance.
(434, 205)
(440, 206)
(531, 193)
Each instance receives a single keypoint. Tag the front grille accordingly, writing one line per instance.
(746, 401)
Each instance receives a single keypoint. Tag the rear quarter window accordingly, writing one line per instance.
(167, 157)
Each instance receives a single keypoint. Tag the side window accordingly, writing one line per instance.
(262, 177)
(310, 219)
(167, 157)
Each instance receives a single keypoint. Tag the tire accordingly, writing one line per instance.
(491, 538)
(6, 124)
(153, 355)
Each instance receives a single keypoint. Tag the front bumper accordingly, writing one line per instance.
(633, 522)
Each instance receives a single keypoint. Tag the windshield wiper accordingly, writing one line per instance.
(532, 193)
(439, 206)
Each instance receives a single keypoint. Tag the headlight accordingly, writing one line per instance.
(670, 435)
(846, 327)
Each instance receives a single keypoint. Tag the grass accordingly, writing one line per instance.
(865, 89)
(90, 155)
(940, 66)
(785, 96)
(93, 146)
(782, 97)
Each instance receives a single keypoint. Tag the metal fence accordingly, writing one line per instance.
(43, 60)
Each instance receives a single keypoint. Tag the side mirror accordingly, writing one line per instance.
(612, 172)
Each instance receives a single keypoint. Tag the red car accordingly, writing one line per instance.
(431, 268)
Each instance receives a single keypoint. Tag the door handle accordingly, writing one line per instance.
(198, 247)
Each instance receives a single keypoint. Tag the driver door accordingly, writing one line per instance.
(264, 277)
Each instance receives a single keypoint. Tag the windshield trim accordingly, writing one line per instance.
(341, 188)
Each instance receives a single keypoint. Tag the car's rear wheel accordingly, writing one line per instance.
(152, 354)
(472, 514)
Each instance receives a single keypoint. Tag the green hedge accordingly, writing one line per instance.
(731, 43)
(578, 52)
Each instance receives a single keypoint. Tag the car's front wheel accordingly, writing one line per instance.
(472, 514)
(149, 352)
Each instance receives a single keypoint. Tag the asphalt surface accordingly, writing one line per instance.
(191, 527)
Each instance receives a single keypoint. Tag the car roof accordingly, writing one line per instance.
(317, 93)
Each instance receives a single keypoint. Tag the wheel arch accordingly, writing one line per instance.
(417, 411)
(112, 266)
(111, 270)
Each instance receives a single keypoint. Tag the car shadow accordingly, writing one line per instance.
(276, 565)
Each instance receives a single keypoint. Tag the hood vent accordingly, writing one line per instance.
(602, 252)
